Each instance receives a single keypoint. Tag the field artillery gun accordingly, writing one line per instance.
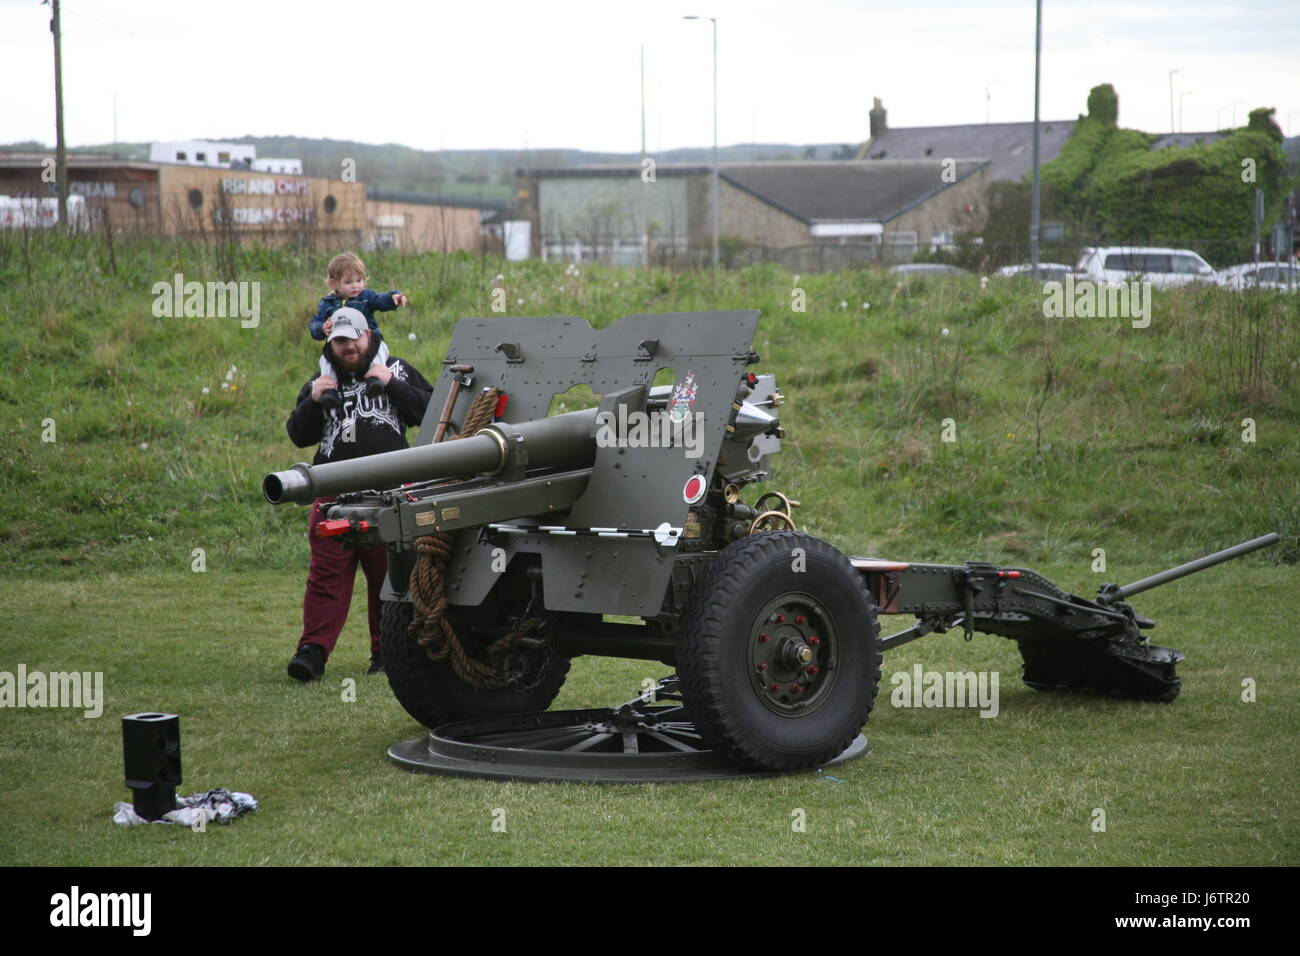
(519, 539)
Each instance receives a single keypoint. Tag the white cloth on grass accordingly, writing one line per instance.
(219, 806)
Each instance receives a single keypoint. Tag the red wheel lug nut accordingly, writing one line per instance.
(812, 669)
(814, 641)
(780, 619)
(774, 688)
(800, 619)
(762, 638)
(795, 688)
(762, 665)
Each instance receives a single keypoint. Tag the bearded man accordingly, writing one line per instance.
(362, 424)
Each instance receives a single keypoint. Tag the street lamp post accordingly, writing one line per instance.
(1034, 189)
(645, 186)
(1172, 127)
(716, 197)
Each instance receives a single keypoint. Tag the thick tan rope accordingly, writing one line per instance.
(429, 624)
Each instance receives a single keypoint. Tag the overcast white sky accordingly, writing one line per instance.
(565, 73)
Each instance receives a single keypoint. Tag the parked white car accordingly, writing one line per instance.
(1260, 275)
(1157, 265)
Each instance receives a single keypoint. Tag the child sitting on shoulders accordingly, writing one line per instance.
(346, 277)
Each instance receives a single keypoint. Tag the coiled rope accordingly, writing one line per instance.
(429, 624)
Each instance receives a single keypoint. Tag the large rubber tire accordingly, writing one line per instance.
(726, 623)
(433, 694)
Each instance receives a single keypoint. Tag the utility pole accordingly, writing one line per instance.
(1033, 205)
(60, 149)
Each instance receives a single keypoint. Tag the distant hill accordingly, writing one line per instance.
(468, 172)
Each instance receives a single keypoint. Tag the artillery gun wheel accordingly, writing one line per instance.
(432, 693)
(778, 652)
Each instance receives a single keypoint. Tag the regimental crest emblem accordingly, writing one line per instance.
(683, 397)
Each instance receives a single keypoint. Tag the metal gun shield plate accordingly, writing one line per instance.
(630, 488)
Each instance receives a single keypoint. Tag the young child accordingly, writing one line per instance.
(346, 277)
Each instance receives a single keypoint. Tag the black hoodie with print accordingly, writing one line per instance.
(379, 423)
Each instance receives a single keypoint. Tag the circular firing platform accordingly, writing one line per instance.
(628, 744)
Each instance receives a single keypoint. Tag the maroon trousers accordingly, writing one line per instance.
(329, 586)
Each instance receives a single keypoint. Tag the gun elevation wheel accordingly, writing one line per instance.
(433, 694)
(778, 652)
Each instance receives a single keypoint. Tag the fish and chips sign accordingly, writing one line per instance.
(264, 215)
(264, 187)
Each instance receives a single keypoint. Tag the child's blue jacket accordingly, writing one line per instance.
(367, 303)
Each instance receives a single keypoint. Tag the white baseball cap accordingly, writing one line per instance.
(349, 323)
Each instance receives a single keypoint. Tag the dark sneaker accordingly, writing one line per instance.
(376, 663)
(374, 388)
(308, 663)
(330, 399)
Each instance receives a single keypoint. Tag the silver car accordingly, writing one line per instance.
(1281, 276)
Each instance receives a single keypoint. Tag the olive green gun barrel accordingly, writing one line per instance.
(1191, 567)
(559, 441)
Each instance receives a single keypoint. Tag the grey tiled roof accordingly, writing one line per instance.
(1009, 147)
(844, 190)
(852, 190)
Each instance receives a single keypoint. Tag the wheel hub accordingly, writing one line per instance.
(798, 655)
(791, 655)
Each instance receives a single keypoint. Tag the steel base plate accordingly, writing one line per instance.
(628, 744)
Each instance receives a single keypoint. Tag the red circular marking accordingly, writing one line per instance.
(694, 489)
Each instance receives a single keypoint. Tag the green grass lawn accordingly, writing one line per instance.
(1207, 779)
(1072, 436)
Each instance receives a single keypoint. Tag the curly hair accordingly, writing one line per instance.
(346, 264)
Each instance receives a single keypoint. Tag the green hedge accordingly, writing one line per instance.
(1108, 184)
